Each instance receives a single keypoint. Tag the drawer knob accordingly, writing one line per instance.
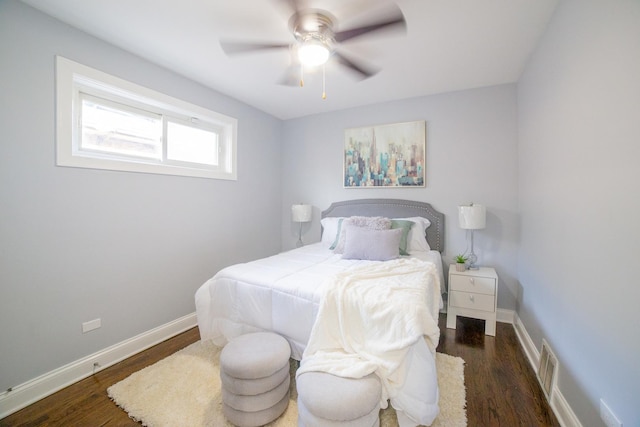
(471, 298)
(471, 280)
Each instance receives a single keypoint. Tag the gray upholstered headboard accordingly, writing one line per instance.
(394, 208)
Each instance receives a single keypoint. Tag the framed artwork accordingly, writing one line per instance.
(385, 156)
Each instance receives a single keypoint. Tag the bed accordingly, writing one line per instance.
(284, 293)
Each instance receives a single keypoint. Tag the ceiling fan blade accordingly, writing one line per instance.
(363, 71)
(295, 6)
(237, 47)
(397, 21)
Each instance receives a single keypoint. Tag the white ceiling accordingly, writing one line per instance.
(449, 45)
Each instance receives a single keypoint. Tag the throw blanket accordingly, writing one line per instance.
(370, 317)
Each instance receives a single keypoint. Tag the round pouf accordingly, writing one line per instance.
(254, 371)
(328, 400)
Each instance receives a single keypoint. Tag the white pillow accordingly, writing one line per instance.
(370, 222)
(417, 240)
(372, 245)
(330, 228)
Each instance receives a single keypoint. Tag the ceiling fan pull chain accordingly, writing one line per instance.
(324, 93)
(301, 75)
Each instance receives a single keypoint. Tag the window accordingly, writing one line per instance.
(104, 122)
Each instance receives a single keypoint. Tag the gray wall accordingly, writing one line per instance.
(131, 249)
(555, 160)
(471, 156)
(579, 168)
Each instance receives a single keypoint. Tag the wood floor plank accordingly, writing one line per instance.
(502, 389)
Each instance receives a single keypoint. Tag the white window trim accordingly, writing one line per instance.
(71, 75)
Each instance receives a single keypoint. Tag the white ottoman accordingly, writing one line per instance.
(254, 371)
(331, 401)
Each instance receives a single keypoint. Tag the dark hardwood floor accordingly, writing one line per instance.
(502, 389)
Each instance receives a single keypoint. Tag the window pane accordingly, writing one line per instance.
(106, 128)
(190, 144)
(104, 122)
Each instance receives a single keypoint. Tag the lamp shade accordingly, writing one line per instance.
(472, 217)
(301, 213)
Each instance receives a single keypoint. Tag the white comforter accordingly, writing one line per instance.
(282, 293)
(369, 320)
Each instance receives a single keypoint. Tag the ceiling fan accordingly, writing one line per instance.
(316, 40)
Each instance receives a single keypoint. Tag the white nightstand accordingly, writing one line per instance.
(473, 293)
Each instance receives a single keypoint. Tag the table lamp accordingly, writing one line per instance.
(300, 213)
(472, 217)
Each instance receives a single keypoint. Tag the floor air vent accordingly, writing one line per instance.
(547, 369)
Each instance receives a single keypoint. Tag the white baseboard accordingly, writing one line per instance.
(565, 415)
(46, 384)
(563, 411)
(505, 316)
(530, 349)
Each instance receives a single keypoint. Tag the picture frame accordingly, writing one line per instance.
(385, 156)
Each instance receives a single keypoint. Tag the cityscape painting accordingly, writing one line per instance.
(385, 156)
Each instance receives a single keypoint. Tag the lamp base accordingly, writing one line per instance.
(299, 243)
(473, 259)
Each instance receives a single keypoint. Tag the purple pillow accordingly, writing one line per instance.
(372, 245)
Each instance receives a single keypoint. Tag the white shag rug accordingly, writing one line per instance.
(184, 390)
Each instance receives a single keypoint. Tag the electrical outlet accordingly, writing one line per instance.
(91, 325)
(608, 416)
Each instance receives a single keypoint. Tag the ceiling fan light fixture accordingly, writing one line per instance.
(313, 53)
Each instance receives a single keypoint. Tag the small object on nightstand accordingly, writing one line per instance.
(473, 293)
(461, 262)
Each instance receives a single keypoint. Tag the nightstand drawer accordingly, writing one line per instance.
(472, 300)
(475, 284)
